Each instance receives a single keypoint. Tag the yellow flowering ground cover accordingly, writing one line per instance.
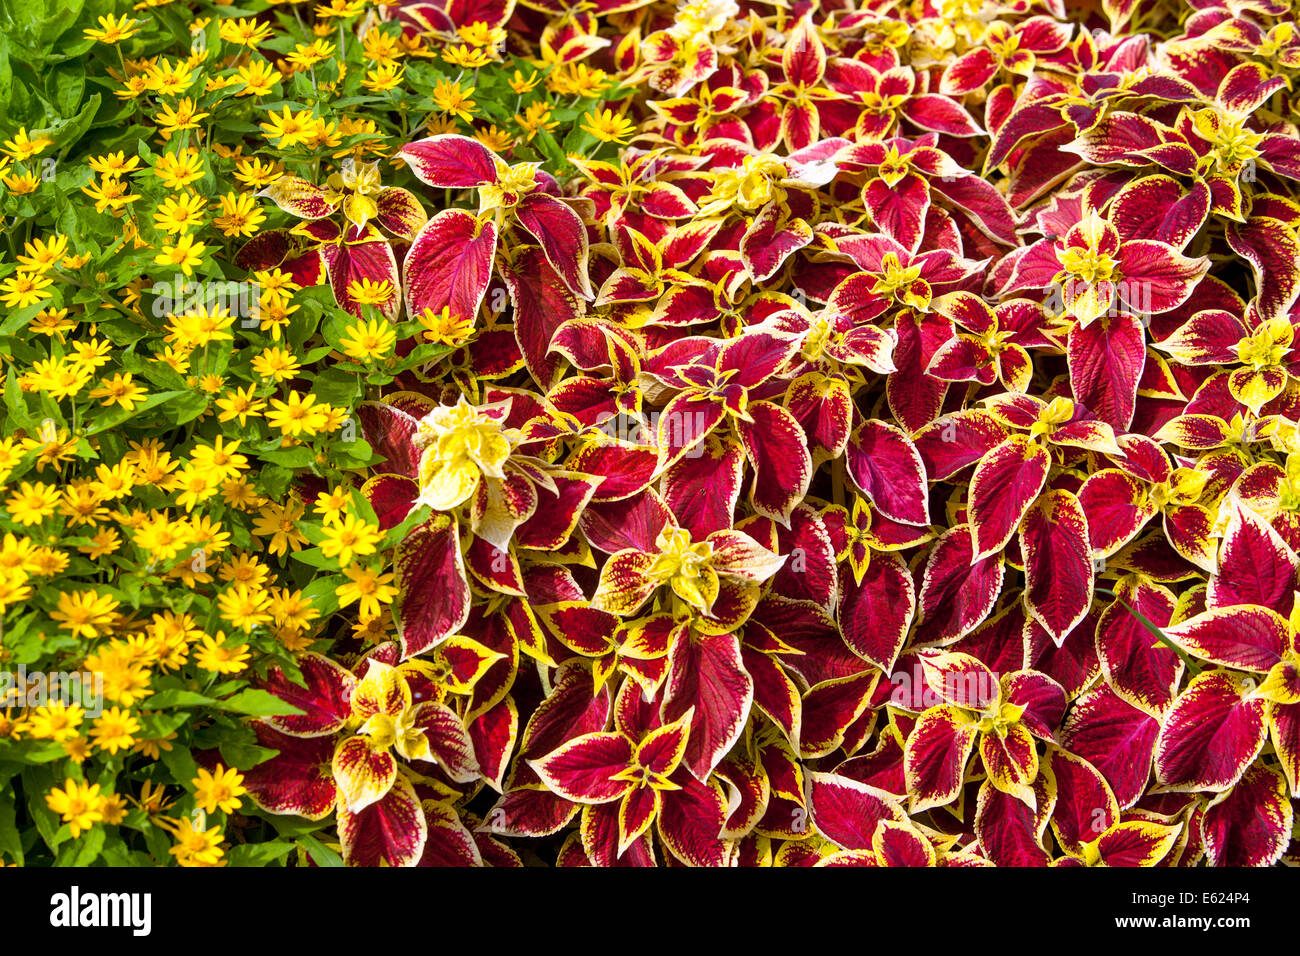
(182, 453)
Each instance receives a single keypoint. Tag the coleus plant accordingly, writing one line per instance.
(349, 226)
(889, 458)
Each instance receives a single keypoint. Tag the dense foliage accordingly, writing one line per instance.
(634, 433)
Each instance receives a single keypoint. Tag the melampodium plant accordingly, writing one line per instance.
(702, 433)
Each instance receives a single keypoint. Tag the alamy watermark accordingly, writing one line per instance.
(970, 689)
(32, 689)
(1122, 297)
(75, 909)
(680, 429)
(241, 300)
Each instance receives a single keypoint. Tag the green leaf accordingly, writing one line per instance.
(336, 387)
(180, 763)
(6, 75)
(16, 405)
(259, 854)
(176, 698)
(67, 131)
(313, 558)
(116, 416)
(118, 854)
(300, 457)
(274, 480)
(321, 854)
(66, 84)
(257, 703)
(10, 845)
(38, 781)
(19, 318)
(189, 407)
(82, 851)
(244, 756)
(321, 593)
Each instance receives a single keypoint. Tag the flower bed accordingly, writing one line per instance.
(479, 433)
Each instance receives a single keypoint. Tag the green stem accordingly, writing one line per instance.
(1155, 631)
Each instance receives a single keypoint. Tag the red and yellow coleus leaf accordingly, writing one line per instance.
(389, 832)
(693, 570)
(1210, 735)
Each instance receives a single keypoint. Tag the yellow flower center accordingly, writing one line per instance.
(1057, 412)
(999, 718)
(1088, 265)
(680, 560)
(1231, 144)
(902, 282)
(750, 185)
(513, 183)
(894, 167)
(460, 444)
(815, 342)
(1267, 345)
